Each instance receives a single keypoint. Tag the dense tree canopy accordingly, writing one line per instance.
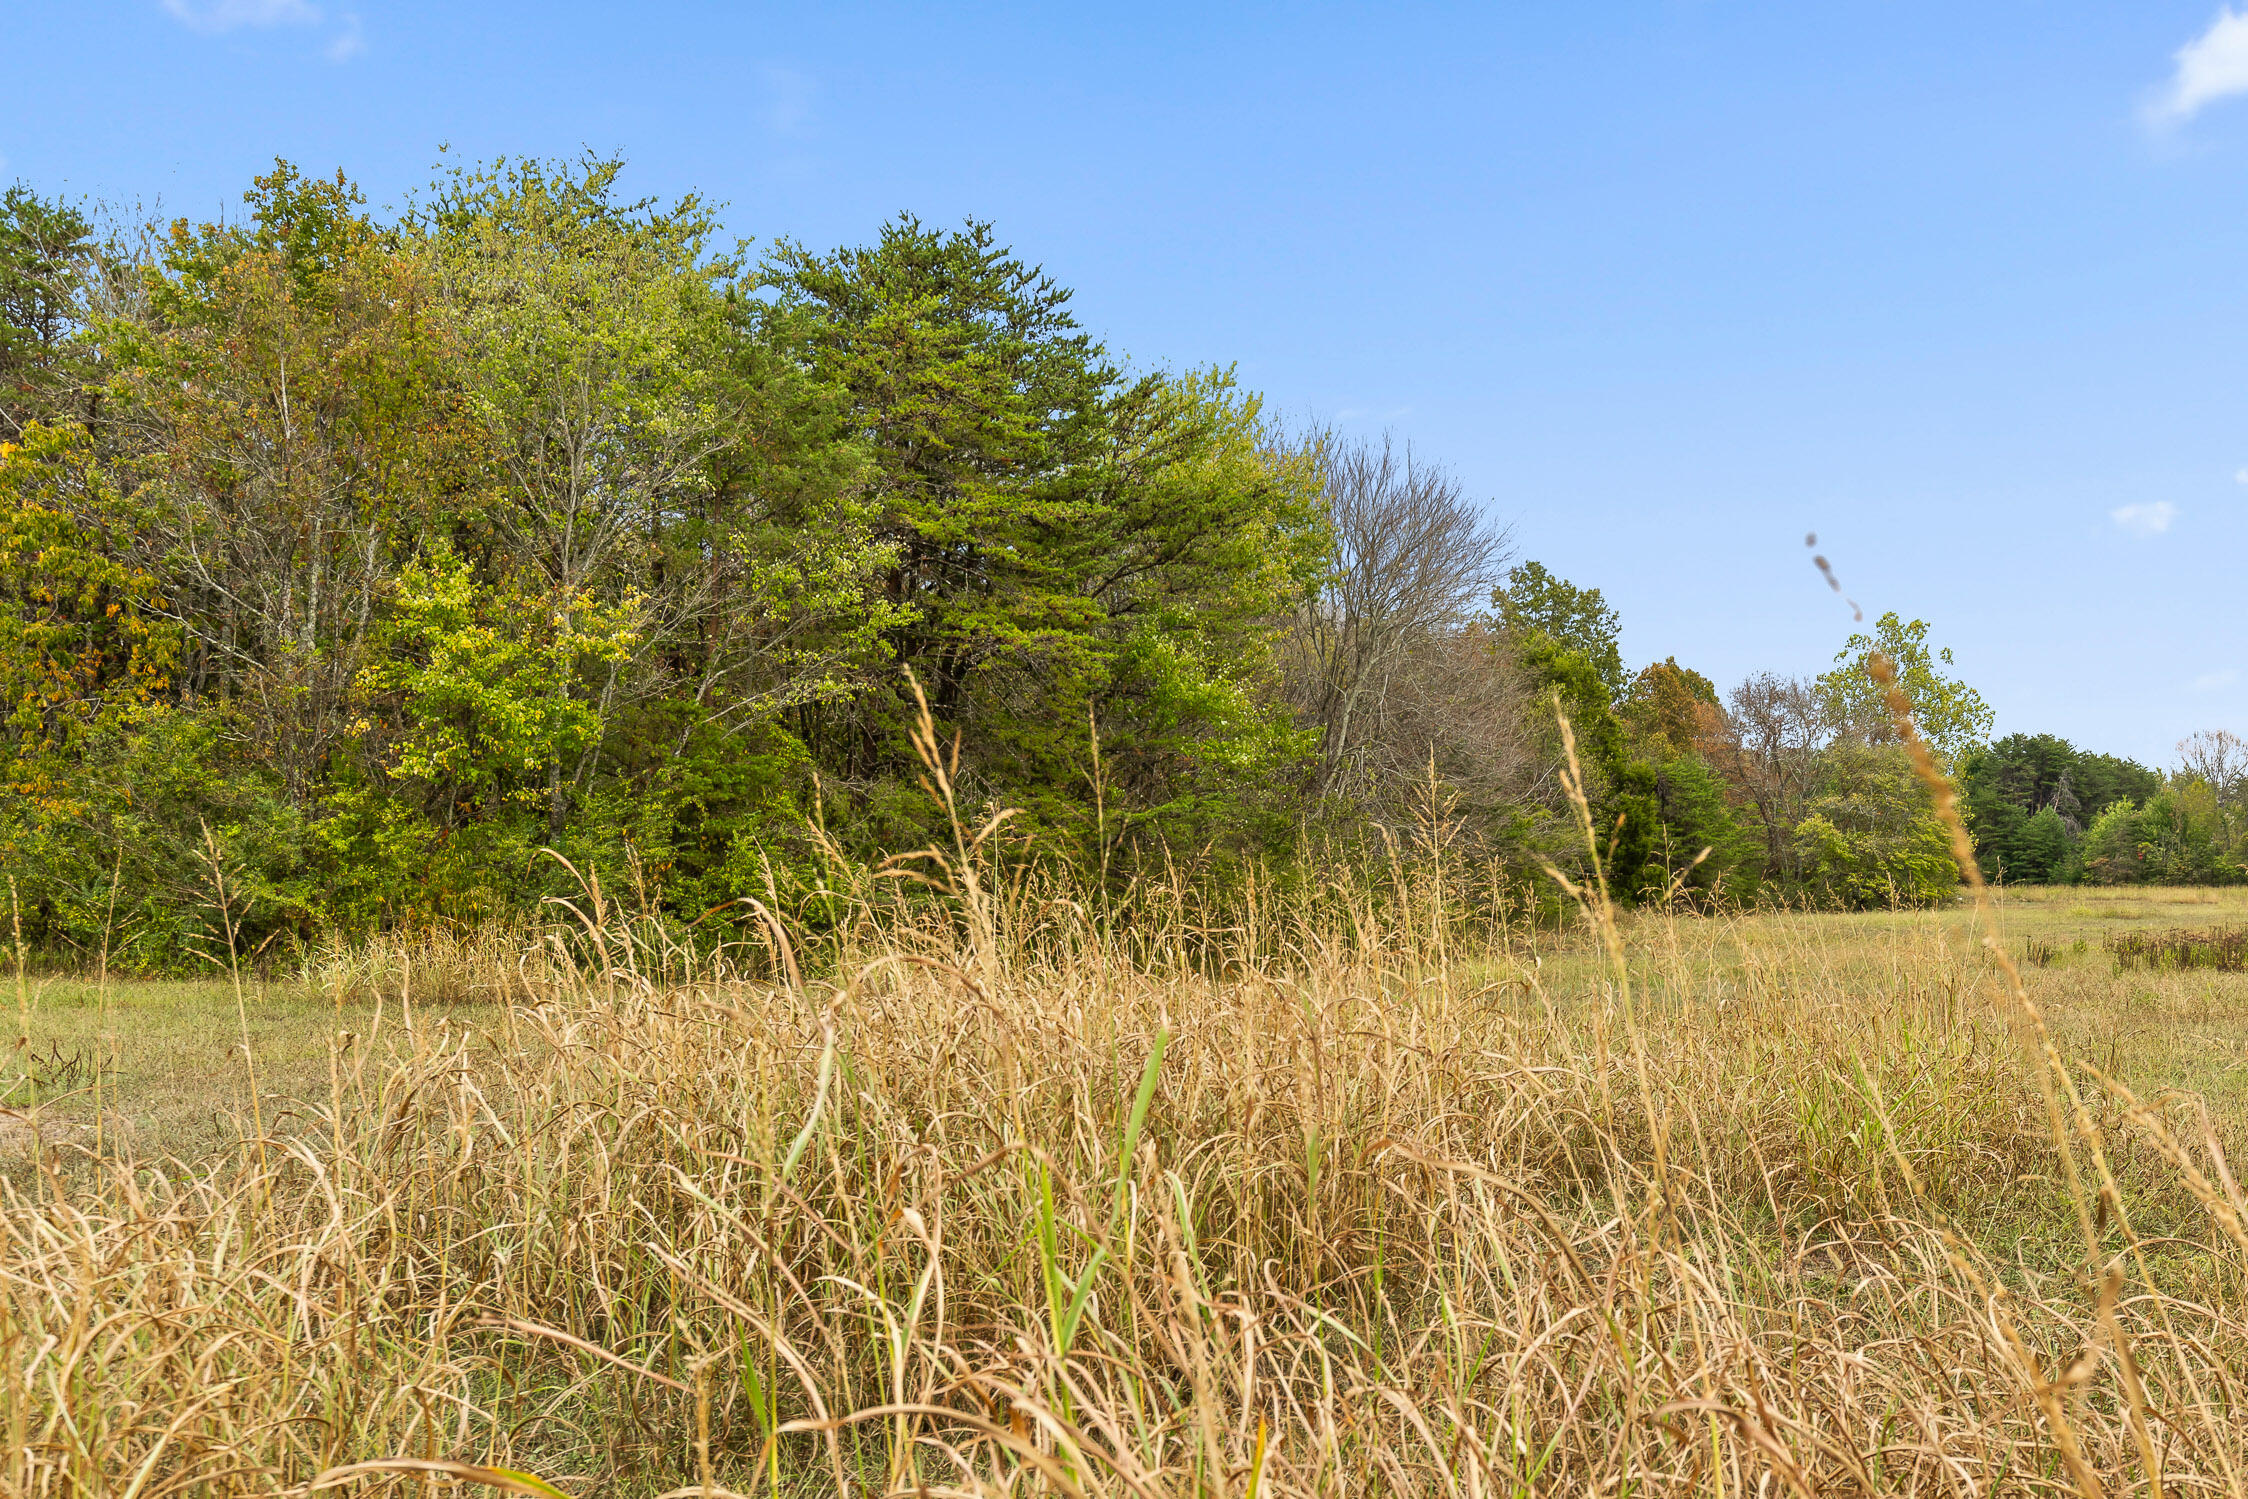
(2044, 811)
(386, 557)
(45, 250)
(1535, 601)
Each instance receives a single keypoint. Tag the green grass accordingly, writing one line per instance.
(162, 1060)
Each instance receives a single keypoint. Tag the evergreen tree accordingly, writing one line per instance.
(46, 249)
(1063, 540)
(2026, 789)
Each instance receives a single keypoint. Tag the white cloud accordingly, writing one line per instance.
(229, 15)
(2211, 681)
(2213, 66)
(215, 17)
(2240, 476)
(2145, 520)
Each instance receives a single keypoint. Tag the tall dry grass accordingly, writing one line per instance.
(1373, 1201)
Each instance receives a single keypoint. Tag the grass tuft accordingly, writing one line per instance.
(2220, 949)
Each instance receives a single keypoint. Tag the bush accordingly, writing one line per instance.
(2177, 838)
(1872, 838)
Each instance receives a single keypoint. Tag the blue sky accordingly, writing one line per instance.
(1962, 288)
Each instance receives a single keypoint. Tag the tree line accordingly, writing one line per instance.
(410, 568)
(2045, 812)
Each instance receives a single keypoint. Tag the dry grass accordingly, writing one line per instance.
(1380, 1199)
(2222, 948)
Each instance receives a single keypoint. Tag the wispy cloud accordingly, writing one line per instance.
(349, 40)
(2145, 520)
(2240, 476)
(2213, 66)
(231, 15)
(788, 99)
(2212, 680)
(217, 17)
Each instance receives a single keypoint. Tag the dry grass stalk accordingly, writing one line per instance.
(1357, 1200)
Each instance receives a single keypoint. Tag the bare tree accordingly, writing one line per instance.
(2218, 757)
(1388, 661)
(1774, 729)
(275, 457)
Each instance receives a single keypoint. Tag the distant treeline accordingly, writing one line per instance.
(362, 562)
(2044, 812)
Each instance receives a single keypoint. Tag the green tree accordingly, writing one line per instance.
(1534, 601)
(1871, 837)
(1211, 535)
(109, 787)
(284, 421)
(1704, 849)
(1951, 715)
(2114, 850)
(588, 329)
(477, 691)
(491, 683)
(2044, 852)
(2009, 786)
(1671, 717)
(984, 406)
(1064, 542)
(45, 251)
(2178, 837)
(83, 633)
(2097, 780)
(85, 653)
(650, 440)
(1623, 790)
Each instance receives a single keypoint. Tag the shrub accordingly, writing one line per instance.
(1872, 838)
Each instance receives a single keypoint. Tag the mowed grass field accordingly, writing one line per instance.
(1377, 1201)
(161, 1063)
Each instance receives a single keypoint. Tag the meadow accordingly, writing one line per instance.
(1391, 1047)
(1371, 1194)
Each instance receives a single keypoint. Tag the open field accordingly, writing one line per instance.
(1390, 1203)
(176, 1074)
(163, 1062)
